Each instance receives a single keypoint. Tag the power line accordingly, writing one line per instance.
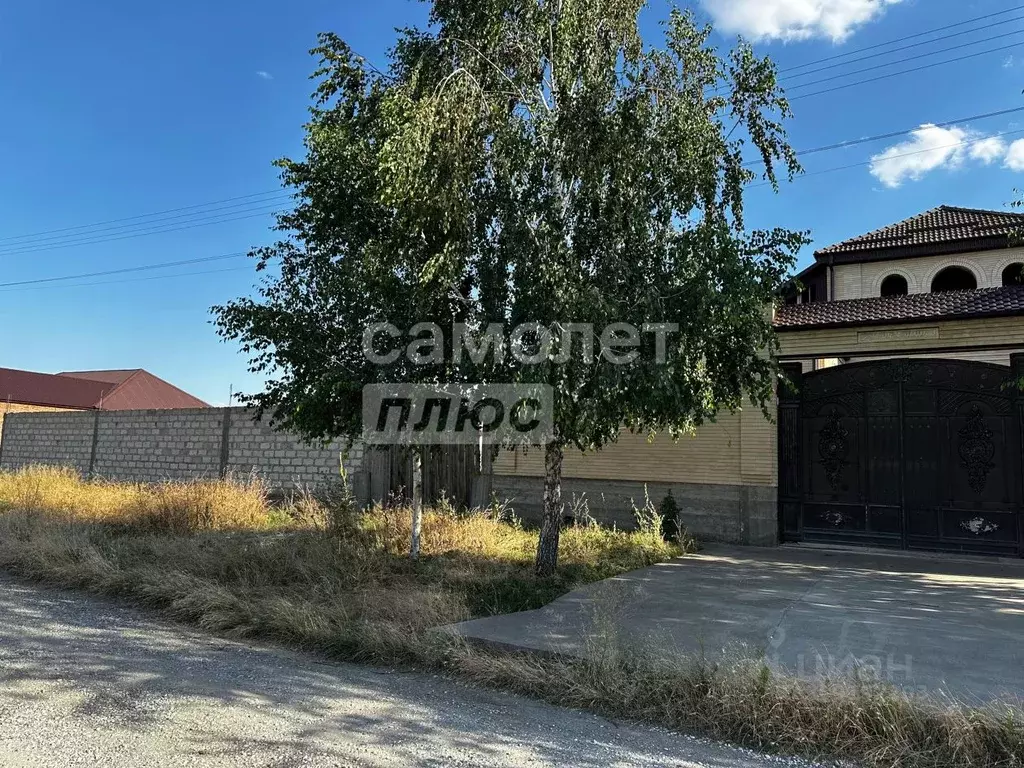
(141, 215)
(123, 270)
(142, 233)
(861, 164)
(130, 279)
(246, 207)
(908, 47)
(902, 72)
(905, 37)
(895, 134)
(876, 67)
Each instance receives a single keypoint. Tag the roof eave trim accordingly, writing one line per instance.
(867, 255)
(896, 321)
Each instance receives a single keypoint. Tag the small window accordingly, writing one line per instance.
(1014, 274)
(895, 285)
(954, 279)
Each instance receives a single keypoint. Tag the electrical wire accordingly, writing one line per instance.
(902, 72)
(141, 216)
(876, 46)
(143, 233)
(861, 164)
(129, 280)
(877, 67)
(906, 47)
(123, 270)
(895, 134)
(246, 207)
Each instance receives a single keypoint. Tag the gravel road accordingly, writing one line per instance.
(86, 682)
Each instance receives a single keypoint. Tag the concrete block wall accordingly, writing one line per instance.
(63, 438)
(282, 458)
(150, 446)
(184, 444)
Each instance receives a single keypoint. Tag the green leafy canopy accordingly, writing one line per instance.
(521, 161)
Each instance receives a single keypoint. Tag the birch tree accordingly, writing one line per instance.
(531, 161)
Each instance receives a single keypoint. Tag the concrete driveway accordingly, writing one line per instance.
(933, 624)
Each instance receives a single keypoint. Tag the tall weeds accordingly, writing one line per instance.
(323, 575)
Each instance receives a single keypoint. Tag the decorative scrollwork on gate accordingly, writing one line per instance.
(900, 371)
(834, 518)
(834, 447)
(979, 526)
(977, 450)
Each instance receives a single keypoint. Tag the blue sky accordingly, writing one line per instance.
(117, 109)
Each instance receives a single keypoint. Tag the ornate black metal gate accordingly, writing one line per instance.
(915, 454)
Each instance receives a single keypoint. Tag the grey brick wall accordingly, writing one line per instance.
(150, 446)
(63, 437)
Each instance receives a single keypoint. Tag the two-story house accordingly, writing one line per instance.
(943, 264)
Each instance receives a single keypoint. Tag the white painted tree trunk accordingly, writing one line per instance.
(417, 502)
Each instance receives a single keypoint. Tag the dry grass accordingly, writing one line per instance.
(212, 505)
(321, 576)
(744, 702)
(317, 574)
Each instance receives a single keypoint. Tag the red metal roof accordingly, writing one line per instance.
(141, 389)
(111, 377)
(29, 388)
(118, 390)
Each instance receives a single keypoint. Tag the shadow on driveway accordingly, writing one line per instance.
(938, 626)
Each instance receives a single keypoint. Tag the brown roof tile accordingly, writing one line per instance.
(986, 302)
(944, 229)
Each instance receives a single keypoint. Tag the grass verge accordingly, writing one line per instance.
(319, 576)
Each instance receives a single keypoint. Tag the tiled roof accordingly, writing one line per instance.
(105, 390)
(941, 230)
(986, 302)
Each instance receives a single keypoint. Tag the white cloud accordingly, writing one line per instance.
(929, 148)
(1008, 62)
(264, 75)
(1015, 156)
(988, 150)
(794, 19)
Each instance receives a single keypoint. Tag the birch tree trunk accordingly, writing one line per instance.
(417, 502)
(547, 547)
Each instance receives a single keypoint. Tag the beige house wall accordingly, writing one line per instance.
(737, 449)
(723, 478)
(859, 281)
(990, 339)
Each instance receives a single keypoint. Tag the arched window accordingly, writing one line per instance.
(954, 279)
(1014, 274)
(894, 285)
